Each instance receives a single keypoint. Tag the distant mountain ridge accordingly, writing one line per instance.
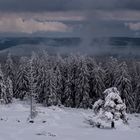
(111, 46)
(15, 41)
(8, 42)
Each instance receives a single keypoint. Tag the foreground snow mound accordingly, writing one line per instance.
(109, 109)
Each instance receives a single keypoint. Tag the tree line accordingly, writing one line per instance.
(73, 81)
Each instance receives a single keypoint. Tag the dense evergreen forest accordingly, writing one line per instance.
(73, 81)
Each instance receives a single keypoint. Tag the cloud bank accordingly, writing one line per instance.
(67, 5)
(103, 17)
(30, 26)
(133, 26)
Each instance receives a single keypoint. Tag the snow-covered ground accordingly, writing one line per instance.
(56, 123)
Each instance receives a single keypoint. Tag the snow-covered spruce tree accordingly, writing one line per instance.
(22, 79)
(109, 109)
(68, 94)
(134, 69)
(134, 73)
(136, 100)
(9, 68)
(43, 65)
(91, 63)
(72, 80)
(48, 84)
(58, 77)
(3, 93)
(64, 71)
(82, 85)
(110, 68)
(41, 84)
(97, 86)
(35, 65)
(33, 75)
(123, 84)
(10, 71)
(50, 97)
(68, 91)
(96, 79)
(9, 90)
(137, 91)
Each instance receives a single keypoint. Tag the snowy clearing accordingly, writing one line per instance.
(54, 123)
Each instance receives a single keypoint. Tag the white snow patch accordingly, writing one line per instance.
(54, 123)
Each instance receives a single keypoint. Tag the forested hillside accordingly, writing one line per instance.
(73, 81)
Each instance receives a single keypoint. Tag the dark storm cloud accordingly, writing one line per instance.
(66, 5)
(132, 4)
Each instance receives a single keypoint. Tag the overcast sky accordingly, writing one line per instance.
(70, 17)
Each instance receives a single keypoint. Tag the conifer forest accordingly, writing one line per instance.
(75, 81)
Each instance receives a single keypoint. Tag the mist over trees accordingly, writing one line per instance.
(73, 81)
